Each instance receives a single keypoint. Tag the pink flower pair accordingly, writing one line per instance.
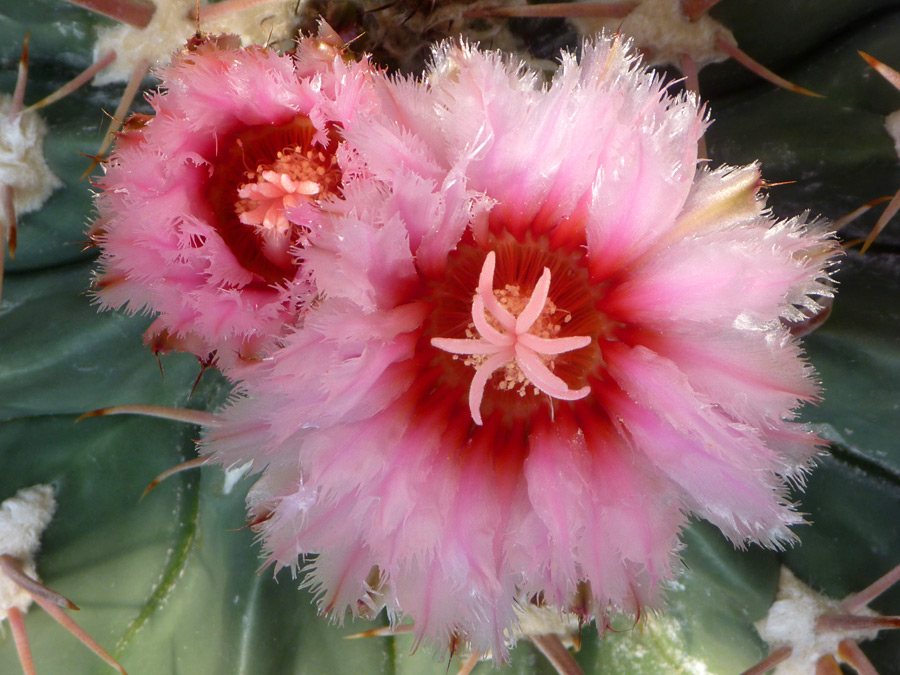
(542, 335)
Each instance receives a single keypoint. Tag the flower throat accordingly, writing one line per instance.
(523, 318)
(259, 174)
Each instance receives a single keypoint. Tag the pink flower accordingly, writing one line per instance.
(547, 338)
(193, 215)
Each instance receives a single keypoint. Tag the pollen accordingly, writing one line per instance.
(261, 176)
(547, 326)
(517, 334)
(296, 175)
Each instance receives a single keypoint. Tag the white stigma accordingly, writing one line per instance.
(512, 343)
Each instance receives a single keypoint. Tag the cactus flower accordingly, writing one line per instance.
(547, 337)
(193, 222)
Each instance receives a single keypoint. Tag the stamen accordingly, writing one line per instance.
(267, 201)
(512, 344)
(295, 175)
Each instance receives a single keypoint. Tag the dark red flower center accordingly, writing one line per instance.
(259, 174)
(516, 324)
